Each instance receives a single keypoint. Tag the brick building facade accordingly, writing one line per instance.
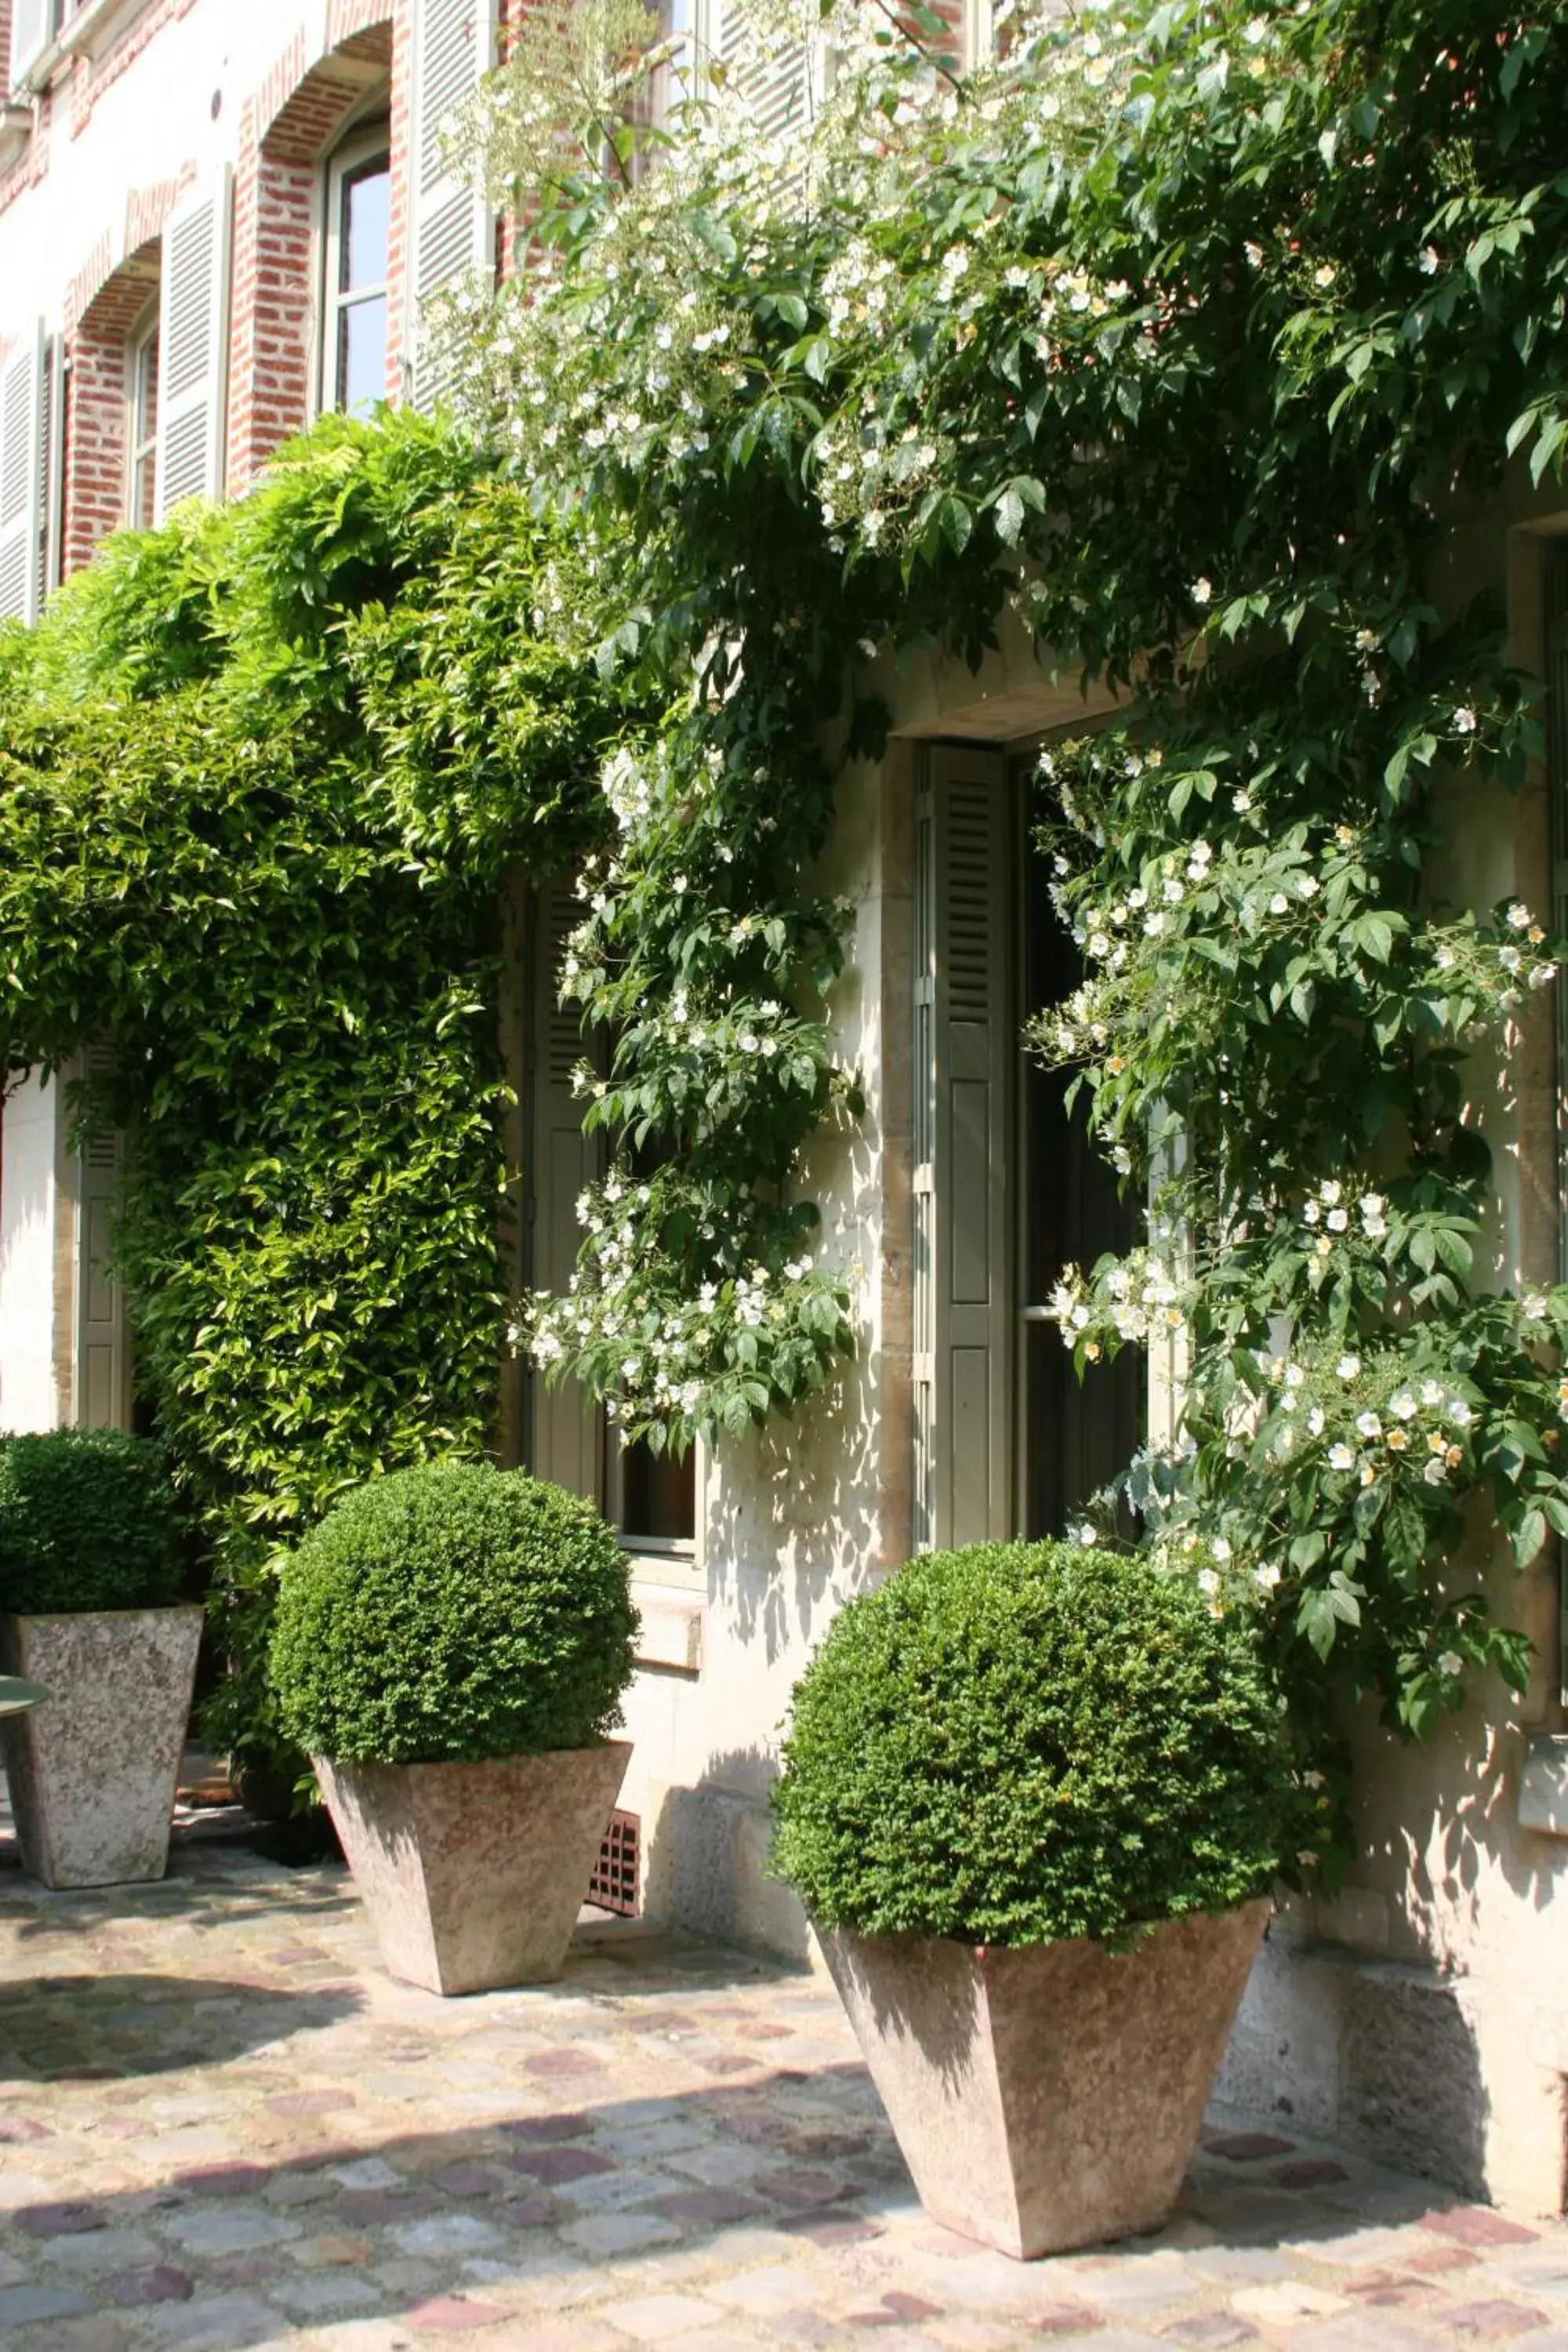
(174, 230)
(217, 218)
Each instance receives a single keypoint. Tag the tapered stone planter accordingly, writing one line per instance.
(1049, 2096)
(93, 1767)
(474, 1874)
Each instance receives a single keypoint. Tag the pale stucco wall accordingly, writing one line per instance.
(177, 105)
(1425, 2012)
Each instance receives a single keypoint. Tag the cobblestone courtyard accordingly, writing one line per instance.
(222, 2126)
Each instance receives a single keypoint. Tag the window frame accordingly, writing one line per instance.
(141, 433)
(675, 1560)
(364, 145)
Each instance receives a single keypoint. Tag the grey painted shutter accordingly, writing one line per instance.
(22, 381)
(101, 1398)
(453, 227)
(963, 1321)
(566, 1431)
(32, 29)
(193, 364)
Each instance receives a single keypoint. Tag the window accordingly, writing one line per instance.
(141, 422)
(1007, 1188)
(358, 211)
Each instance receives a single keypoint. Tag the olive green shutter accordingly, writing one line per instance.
(564, 1432)
(962, 1297)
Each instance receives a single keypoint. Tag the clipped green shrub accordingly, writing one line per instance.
(88, 1521)
(1020, 1743)
(451, 1613)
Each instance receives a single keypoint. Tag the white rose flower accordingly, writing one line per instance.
(1267, 1575)
(1208, 1582)
(1450, 1663)
(1369, 1425)
(1341, 1457)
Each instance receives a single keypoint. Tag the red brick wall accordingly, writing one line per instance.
(286, 128)
(95, 421)
(273, 331)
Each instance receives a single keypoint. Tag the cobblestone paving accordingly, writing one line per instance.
(223, 2126)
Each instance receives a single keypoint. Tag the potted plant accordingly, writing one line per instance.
(450, 1649)
(1033, 1796)
(90, 1574)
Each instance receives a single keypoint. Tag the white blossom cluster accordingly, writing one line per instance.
(1130, 1302)
(1367, 1423)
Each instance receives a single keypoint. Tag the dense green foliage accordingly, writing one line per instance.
(1020, 1743)
(87, 1520)
(1181, 338)
(262, 774)
(453, 1612)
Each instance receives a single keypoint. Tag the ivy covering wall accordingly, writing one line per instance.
(263, 776)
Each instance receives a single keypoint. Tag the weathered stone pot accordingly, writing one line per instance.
(1049, 2096)
(473, 1874)
(93, 1767)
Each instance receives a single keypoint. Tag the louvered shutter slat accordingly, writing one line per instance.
(565, 1444)
(963, 1125)
(453, 228)
(22, 446)
(777, 82)
(193, 347)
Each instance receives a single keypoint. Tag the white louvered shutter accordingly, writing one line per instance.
(779, 83)
(23, 378)
(51, 530)
(453, 229)
(32, 29)
(963, 1254)
(565, 1432)
(101, 1385)
(193, 361)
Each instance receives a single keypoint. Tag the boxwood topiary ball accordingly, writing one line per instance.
(88, 1521)
(453, 1613)
(1021, 1743)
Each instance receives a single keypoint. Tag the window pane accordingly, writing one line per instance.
(147, 388)
(362, 355)
(367, 201)
(660, 1495)
(142, 477)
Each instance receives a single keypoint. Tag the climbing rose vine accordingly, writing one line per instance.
(1178, 338)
